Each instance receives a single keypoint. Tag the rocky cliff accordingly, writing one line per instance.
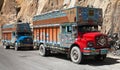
(24, 10)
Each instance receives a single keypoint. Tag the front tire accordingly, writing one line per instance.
(16, 47)
(43, 51)
(76, 55)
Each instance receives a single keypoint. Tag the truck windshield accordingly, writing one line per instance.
(24, 34)
(88, 28)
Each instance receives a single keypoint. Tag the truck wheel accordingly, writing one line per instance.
(76, 55)
(100, 57)
(6, 47)
(43, 51)
(16, 47)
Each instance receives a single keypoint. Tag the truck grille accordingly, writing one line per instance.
(101, 41)
(27, 41)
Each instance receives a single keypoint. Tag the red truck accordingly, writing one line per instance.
(73, 31)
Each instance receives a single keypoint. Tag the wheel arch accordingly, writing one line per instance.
(41, 43)
(74, 45)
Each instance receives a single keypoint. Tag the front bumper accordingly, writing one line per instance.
(26, 45)
(36, 43)
(93, 51)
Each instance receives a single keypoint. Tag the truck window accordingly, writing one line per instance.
(63, 29)
(88, 28)
(69, 29)
(13, 33)
(74, 28)
(24, 34)
(66, 29)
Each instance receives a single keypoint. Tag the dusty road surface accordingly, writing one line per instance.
(30, 60)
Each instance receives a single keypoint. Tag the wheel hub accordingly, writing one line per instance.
(41, 49)
(75, 54)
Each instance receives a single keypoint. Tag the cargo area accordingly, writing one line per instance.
(47, 34)
(7, 30)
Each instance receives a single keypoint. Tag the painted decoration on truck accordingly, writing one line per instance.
(81, 15)
(66, 40)
(47, 34)
(61, 16)
(89, 15)
(49, 15)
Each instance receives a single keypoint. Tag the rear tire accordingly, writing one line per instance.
(6, 47)
(76, 55)
(43, 51)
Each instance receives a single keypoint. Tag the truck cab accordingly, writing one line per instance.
(86, 37)
(22, 40)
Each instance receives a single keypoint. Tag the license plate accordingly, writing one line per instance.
(103, 51)
(27, 45)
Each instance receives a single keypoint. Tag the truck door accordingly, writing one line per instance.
(13, 37)
(67, 35)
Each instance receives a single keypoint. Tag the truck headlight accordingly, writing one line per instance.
(90, 44)
(19, 44)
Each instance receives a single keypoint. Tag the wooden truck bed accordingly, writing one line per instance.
(47, 34)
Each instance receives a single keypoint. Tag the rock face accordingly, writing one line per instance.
(1, 4)
(24, 10)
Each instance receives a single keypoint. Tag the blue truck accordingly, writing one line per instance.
(17, 35)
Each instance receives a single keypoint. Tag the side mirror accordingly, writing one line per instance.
(13, 33)
(15, 41)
